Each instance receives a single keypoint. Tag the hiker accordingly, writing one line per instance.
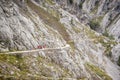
(44, 46)
(39, 47)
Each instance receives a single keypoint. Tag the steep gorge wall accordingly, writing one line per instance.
(26, 25)
(105, 13)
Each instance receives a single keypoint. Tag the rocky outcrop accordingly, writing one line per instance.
(26, 34)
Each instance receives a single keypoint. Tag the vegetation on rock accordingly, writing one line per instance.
(97, 71)
(94, 24)
(118, 62)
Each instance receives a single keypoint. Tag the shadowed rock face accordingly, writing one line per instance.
(72, 49)
(106, 12)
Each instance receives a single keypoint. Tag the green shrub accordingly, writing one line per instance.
(94, 24)
(107, 35)
(118, 62)
(72, 44)
(80, 5)
(50, 2)
(97, 3)
(71, 1)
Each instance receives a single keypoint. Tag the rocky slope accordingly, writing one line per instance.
(72, 50)
(104, 14)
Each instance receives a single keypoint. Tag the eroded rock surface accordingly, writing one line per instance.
(71, 49)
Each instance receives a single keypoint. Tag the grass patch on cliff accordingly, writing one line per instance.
(106, 42)
(49, 20)
(8, 58)
(100, 18)
(108, 35)
(81, 4)
(97, 71)
(118, 62)
(46, 65)
(77, 30)
(95, 9)
(94, 24)
(72, 44)
(14, 61)
(50, 2)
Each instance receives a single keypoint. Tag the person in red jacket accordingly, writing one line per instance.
(44, 46)
(39, 47)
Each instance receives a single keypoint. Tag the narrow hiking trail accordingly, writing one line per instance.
(36, 50)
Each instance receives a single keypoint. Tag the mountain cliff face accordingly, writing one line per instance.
(45, 39)
(104, 13)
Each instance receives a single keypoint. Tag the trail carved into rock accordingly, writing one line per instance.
(36, 50)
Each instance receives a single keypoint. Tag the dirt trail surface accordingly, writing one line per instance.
(36, 50)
